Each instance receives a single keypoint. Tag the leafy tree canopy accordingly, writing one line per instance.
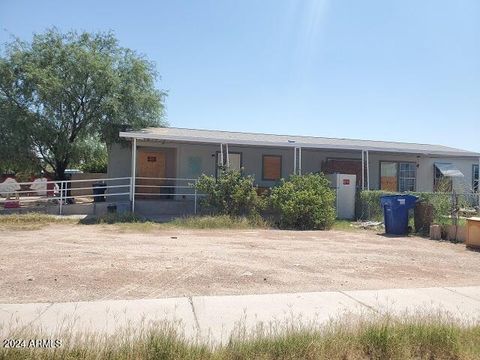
(64, 89)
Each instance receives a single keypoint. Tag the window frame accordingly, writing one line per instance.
(397, 166)
(263, 166)
(217, 157)
(435, 179)
(407, 178)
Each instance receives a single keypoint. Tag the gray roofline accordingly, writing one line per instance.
(142, 135)
(272, 134)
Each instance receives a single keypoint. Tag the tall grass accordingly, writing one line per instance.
(381, 338)
(131, 222)
(219, 222)
(32, 221)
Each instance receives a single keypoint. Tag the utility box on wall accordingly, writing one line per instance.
(345, 187)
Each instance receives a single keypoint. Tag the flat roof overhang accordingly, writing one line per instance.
(215, 141)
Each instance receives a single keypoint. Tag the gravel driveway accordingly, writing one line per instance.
(91, 262)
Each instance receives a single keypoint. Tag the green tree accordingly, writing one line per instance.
(93, 156)
(15, 156)
(65, 89)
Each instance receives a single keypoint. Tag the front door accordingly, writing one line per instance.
(150, 173)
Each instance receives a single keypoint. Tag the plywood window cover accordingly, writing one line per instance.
(272, 171)
(326, 167)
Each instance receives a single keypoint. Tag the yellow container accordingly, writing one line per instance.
(473, 232)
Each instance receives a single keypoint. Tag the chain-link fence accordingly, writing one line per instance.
(446, 206)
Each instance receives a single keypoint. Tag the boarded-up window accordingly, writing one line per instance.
(398, 176)
(344, 166)
(388, 176)
(272, 167)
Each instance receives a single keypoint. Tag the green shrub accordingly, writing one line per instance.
(368, 204)
(442, 206)
(230, 194)
(304, 202)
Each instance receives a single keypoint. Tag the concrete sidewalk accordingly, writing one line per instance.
(213, 318)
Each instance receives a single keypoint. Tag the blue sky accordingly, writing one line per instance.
(399, 70)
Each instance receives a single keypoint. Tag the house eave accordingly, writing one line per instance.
(203, 140)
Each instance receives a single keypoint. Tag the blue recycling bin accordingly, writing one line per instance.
(395, 212)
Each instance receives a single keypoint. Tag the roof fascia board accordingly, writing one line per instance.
(190, 139)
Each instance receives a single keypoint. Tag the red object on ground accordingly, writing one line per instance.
(11, 204)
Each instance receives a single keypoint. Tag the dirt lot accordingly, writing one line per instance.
(86, 262)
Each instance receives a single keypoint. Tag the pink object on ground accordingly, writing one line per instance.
(11, 204)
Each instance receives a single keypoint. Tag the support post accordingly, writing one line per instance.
(60, 209)
(134, 171)
(363, 170)
(228, 156)
(221, 155)
(368, 169)
(130, 183)
(299, 161)
(295, 161)
(195, 201)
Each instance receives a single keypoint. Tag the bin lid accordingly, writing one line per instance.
(398, 200)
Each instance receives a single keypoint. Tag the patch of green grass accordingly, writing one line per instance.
(32, 221)
(380, 338)
(116, 218)
(132, 223)
(218, 222)
(343, 225)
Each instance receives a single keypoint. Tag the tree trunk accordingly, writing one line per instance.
(60, 175)
(60, 171)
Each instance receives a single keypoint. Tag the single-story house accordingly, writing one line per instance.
(177, 156)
